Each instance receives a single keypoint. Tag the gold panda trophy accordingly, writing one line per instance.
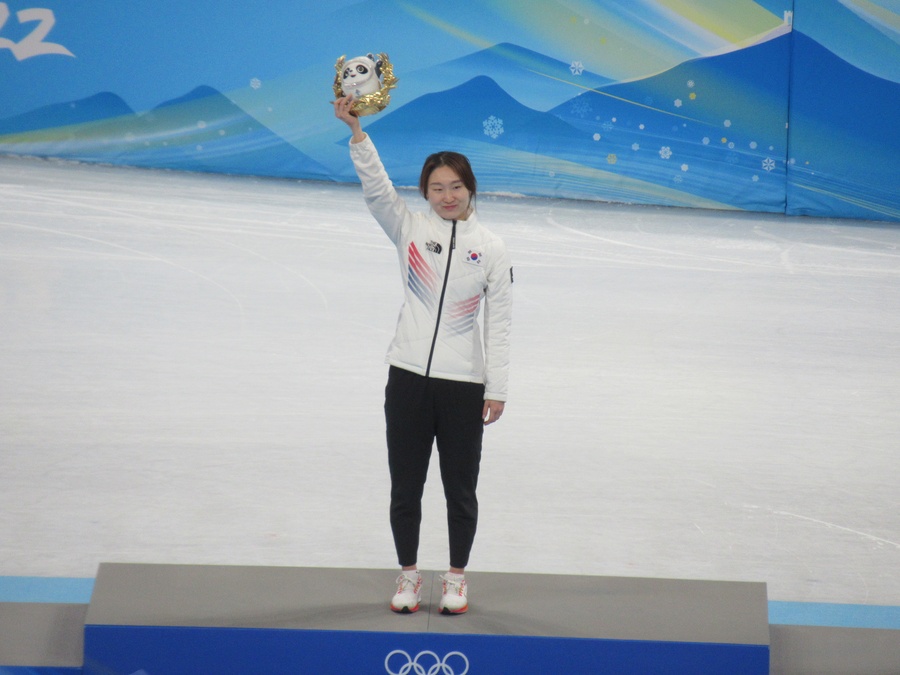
(369, 79)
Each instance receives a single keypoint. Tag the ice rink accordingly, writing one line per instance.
(192, 371)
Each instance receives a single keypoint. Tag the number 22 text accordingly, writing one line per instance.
(32, 44)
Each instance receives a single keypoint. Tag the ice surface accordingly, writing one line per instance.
(191, 371)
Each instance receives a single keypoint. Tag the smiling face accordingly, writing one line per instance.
(447, 194)
(359, 77)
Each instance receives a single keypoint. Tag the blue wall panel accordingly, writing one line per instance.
(638, 101)
(845, 135)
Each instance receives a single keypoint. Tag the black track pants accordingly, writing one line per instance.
(418, 411)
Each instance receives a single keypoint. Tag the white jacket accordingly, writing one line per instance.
(438, 333)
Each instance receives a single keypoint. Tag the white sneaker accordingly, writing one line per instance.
(409, 593)
(454, 599)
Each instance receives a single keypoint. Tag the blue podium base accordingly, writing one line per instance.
(153, 651)
(169, 619)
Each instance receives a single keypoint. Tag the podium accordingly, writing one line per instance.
(192, 619)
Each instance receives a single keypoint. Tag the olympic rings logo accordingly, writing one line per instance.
(426, 663)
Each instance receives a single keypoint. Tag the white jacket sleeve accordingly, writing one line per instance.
(388, 208)
(497, 323)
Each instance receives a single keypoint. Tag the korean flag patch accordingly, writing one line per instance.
(474, 257)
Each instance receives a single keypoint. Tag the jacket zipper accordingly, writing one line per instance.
(437, 323)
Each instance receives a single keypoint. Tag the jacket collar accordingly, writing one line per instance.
(461, 225)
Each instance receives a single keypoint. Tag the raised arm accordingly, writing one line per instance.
(384, 203)
(344, 112)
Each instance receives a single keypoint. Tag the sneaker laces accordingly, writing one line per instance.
(404, 581)
(452, 586)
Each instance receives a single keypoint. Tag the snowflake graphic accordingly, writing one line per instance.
(685, 167)
(768, 164)
(706, 140)
(753, 145)
(733, 158)
(727, 123)
(607, 126)
(677, 178)
(665, 152)
(677, 102)
(255, 83)
(577, 67)
(755, 179)
(597, 137)
(635, 146)
(579, 107)
(493, 127)
(690, 84)
(611, 159)
(693, 96)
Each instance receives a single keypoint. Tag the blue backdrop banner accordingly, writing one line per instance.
(773, 105)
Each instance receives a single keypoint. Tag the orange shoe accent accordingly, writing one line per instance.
(405, 610)
(450, 612)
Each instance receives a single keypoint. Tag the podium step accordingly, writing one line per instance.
(41, 639)
(159, 619)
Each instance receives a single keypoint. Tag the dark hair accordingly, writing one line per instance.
(455, 161)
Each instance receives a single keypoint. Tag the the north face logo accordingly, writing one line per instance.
(434, 247)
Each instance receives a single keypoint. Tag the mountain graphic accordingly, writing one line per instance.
(201, 93)
(481, 120)
(104, 105)
(850, 127)
(539, 82)
(513, 148)
(844, 153)
(462, 111)
(476, 113)
(200, 131)
(714, 127)
(739, 92)
(856, 32)
(204, 131)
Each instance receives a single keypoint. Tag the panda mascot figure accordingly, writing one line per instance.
(368, 79)
(361, 76)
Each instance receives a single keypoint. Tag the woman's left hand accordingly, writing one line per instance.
(492, 411)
